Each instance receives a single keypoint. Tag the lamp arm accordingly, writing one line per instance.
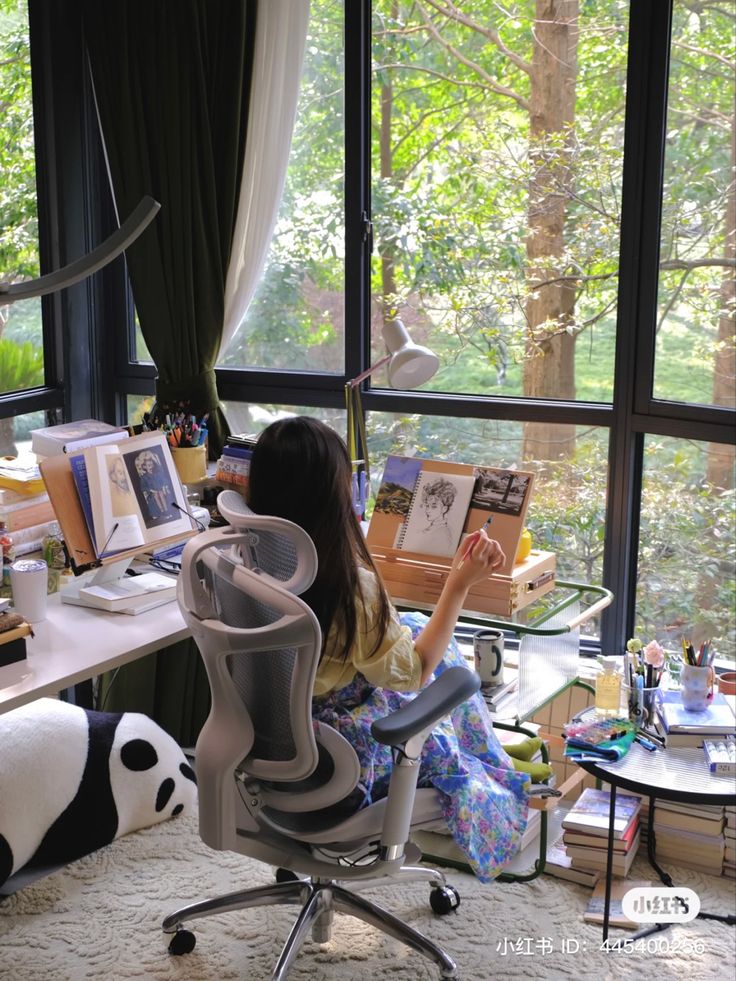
(75, 271)
(368, 371)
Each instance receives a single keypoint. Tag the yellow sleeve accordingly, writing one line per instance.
(395, 663)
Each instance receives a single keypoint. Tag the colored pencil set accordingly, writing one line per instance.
(703, 659)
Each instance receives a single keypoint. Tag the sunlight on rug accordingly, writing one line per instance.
(100, 919)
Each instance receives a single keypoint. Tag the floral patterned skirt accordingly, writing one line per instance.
(484, 800)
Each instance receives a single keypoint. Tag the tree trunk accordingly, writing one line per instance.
(721, 456)
(549, 368)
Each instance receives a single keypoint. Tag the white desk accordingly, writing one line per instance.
(75, 643)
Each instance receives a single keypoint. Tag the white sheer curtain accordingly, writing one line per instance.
(281, 33)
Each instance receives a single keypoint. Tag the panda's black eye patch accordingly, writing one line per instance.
(187, 772)
(177, 810)
(164, 793)
(6, 859)
(138, 754)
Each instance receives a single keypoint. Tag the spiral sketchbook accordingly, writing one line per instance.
(437, 512)
(425, 506)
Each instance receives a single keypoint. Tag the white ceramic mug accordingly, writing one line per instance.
(29, 579)
(488, 657)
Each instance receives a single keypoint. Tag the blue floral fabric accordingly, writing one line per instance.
(484, 798)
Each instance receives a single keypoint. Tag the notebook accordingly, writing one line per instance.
(437, 513)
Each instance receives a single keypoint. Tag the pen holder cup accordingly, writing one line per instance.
(190, 462)
(697, 687)
(642, 704)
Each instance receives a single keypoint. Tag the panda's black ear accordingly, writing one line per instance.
(138, 754)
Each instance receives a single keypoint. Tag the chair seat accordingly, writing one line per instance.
(319, 829)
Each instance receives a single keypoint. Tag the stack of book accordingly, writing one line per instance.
(683, 728)
(70, 437)
(25, 510)
(559, 864)
(690, 835)
(729, 842)
(233, 465)
(586, 831)
(502, 698)
(595, 909)
(13, 633)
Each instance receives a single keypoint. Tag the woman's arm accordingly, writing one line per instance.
(485, 557)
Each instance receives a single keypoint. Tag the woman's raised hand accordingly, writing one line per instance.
(477, 557)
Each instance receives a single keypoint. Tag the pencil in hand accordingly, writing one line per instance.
(473, 539)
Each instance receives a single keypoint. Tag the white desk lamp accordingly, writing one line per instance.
(409, 365)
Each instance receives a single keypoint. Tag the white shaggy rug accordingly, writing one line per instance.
(100, 917)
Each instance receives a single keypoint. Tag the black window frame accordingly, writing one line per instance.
(88, 329)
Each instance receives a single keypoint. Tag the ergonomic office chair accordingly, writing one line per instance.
(273, 785)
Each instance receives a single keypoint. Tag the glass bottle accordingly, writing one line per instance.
(608, 689)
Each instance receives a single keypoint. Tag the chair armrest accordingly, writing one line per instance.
(433, 703)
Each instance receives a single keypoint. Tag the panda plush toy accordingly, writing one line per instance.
(72, 780)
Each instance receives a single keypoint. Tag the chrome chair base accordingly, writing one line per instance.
(319, 901)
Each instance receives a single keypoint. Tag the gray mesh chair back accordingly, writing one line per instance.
(273, 783)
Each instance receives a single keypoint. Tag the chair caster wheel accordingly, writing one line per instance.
(444, 900)
(286, 875)
(182, 942)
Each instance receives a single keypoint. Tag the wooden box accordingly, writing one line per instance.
(411, 581)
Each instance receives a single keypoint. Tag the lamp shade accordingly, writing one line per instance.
(411, 364)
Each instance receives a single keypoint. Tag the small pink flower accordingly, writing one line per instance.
(654, 654)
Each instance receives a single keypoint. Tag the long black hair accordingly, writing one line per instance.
(301, 471)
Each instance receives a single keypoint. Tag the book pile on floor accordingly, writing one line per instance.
(682, 728)
(729, 842)
(690, 835)
(233, 466)
(616, 917)
(586, 831)
(559, 864)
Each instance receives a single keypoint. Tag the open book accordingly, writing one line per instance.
(425, 506)
(130, 493)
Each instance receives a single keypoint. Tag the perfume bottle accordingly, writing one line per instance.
(608, 689)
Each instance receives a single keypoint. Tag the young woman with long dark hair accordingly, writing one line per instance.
(372, 660)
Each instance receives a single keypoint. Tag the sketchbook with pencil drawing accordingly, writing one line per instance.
(425, 508)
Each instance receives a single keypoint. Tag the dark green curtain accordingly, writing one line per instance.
(172, 83)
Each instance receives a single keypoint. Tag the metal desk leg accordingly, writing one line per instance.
(609, 862)
(652, 846)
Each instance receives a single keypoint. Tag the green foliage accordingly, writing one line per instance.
(21, 366)
(18, 213)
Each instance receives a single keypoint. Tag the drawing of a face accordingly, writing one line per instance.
(437, 499)
(118, 475)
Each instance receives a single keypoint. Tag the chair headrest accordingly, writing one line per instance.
(233, 508)
(236, 512)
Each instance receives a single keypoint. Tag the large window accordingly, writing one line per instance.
(687, 549)
(497, 160)
(551, 192)
(21, 349)
(697, 281)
